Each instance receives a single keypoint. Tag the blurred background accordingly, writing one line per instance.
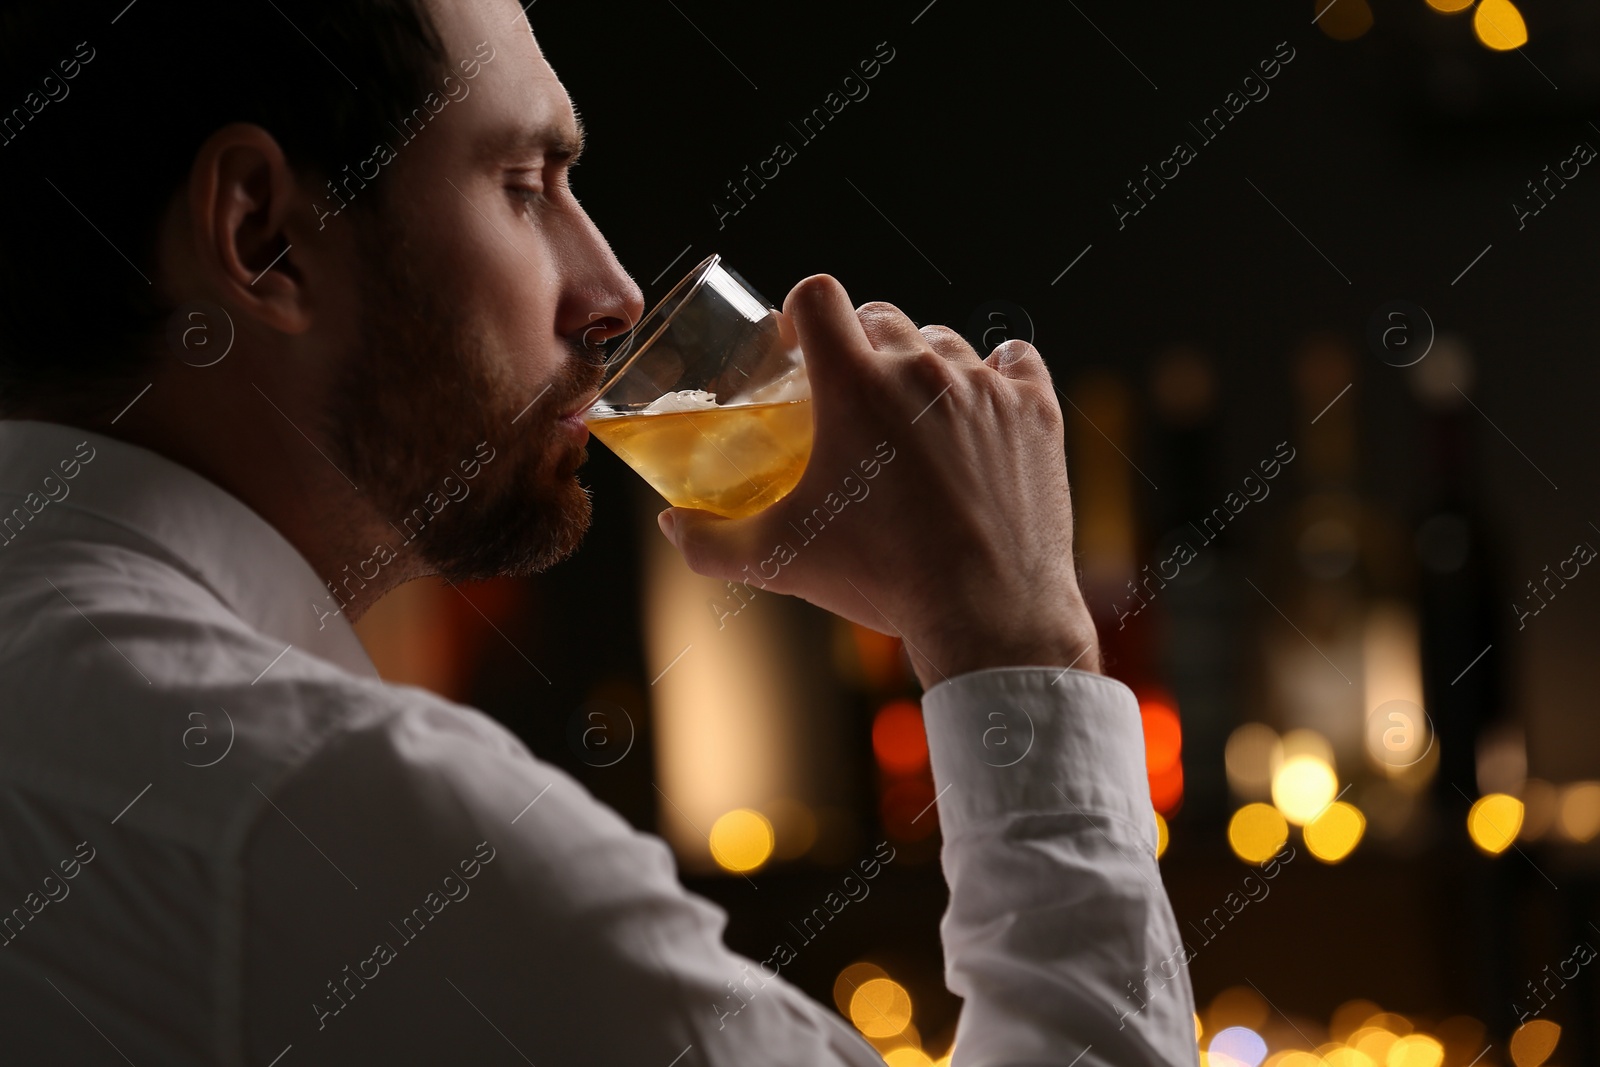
(1314, 282)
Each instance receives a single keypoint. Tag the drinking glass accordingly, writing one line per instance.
(707, 397)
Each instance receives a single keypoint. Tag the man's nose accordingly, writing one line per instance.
(603, 301)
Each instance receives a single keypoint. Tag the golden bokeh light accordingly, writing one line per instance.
(1302, 787)
(1533, 1042)
(1343, 20)
(1293, 1058)
(1302, 742)
(1256, 832)
(1161, 835)
(1388, 1020)
(1345, 1056)
(906, 1056)
(1499, 25)
(1373, 1042)
(1450, 7)
(1335, 833)
(1416, 1050)
(881, 1007)
(741, 840)
(1199, 1028)
(1579, 814)
(1494, 821)
(851, 979)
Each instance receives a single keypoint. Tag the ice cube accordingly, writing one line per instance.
(682, 400)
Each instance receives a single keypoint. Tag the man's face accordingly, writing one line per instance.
(486, 291)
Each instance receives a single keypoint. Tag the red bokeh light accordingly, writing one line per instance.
(898, 740)
(1163, 736)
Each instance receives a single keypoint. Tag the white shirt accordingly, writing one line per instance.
(223, 839)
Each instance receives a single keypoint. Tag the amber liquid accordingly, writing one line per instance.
(733, 461)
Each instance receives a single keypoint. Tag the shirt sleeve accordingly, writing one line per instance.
(1059, 934)
(423, 889)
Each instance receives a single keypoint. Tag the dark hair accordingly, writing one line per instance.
(102, 108)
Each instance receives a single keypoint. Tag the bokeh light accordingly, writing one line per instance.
(1163, 736)
(1293, 1058)
(1237, 1046)
(898, 739)
(880, 1007)
(1345, 1056)
(851, 979)
(1302, 787)
(1450, 7)
(1533, 1042)
(1416, 1050)
(1343, 20)
(1494, 821)
(1248, 758)
(1373, 1042)
(1499, 25)
(1334, 834)
(1257, 832)
(906, 1056)
(1161, 835)
(1166, 789)
(741, 840)
(1579, 814)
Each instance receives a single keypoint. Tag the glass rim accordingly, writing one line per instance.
(625, 359)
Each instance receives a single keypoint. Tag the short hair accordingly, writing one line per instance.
(103, 106)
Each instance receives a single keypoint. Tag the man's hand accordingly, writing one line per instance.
(960, 541)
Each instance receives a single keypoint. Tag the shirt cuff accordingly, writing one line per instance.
(1013, 740)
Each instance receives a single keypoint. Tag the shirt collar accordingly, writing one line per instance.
(205, 531)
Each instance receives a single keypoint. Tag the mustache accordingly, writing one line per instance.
(579, 380)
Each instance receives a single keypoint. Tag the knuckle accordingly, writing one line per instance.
(1015, 350)
(930, 368)
(878, 310)
(946, 341)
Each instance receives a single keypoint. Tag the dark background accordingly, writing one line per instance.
(984, 161)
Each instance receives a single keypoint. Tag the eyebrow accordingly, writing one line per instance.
(556, 140)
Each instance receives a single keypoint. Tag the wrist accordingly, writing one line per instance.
(1075, 646)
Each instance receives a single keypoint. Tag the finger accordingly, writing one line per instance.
(888, 329)
(1019, 360)
(712, 546)
(827, 326)
(950, 345)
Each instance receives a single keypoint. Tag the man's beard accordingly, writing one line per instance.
(415, 405)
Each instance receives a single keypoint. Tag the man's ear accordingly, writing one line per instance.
(242, 209)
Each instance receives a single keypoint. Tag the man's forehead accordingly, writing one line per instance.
(527, 107)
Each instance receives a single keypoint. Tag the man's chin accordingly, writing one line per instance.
(515, 536)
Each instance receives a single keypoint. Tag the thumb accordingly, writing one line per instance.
(829, 329)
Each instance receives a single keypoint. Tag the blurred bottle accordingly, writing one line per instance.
(1338, 622)
(1198, 622)
(1462, 615)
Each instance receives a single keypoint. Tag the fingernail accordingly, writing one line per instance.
(664, 520)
